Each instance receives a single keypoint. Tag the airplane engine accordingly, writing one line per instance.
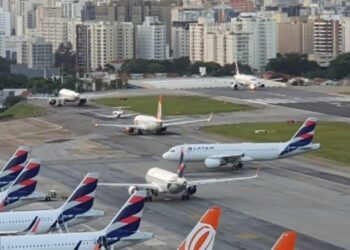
(52, 102)
(262, 85)
(129, 130)
(212, 163)
(192, 190)
(234, 86)
(82, 101)
(163, 129)
(131, 190)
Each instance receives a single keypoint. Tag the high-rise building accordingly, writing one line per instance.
(243, 5)
(197, 33)
(5, 22)
(151, 40)
(180, 39)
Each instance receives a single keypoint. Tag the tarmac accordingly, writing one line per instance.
(305, 194)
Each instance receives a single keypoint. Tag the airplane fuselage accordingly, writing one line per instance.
(68, 241)
(168, 182)
(35, 196)
(247, 80)
(150, 123)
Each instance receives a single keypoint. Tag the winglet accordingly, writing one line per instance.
(211, 116)
(203, 234)
(159, 110)
(257, 172)
(287, 241)
(94, 124)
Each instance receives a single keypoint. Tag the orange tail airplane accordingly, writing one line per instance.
(287, 241)
(203, 234)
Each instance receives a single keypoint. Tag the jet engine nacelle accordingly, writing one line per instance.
(192, 190)
(131, 190)
(82, 101)
(52, 102)
(163, 129)
(234, 86)
(129, 130)
(262, 85)
(212, 163)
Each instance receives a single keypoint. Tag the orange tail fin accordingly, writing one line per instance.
(287, 241)
(203, 234)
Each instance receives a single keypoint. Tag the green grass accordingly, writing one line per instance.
(333, 136)
(174, 105)
(22, 110)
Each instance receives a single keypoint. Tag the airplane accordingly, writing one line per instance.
(219, 154)
(22, 190)
(76, 209)
(151, 123)
(287, 241)
(243, 80)
(67, 95)
(163, 181)
(118, 113)
(203, 234)
(14, 166)
(121, 232)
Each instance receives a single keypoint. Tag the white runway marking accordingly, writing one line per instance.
(327, 99)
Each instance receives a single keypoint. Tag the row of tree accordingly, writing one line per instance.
(298, 65)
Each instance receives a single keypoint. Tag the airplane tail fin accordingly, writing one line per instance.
(25, 183)
(303, 136)
(287, 241)
(159, 110)
(237, 69)
(203, 234)
(82, 199)
(182, 166)
(127, 221)
(14, 166)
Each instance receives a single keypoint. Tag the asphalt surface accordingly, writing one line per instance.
(302, 99)
(311, 198)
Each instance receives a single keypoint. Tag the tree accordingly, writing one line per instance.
(340, 67)
(292, 63)
(65, 57)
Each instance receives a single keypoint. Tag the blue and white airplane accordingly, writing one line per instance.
(77, 209)
(121, 232)
(13, 167)
(219, 154)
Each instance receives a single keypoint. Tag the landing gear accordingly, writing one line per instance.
(237, 166)
(185, 197)
(139, 132)
(150, 194)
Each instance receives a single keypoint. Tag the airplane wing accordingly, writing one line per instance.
(136, 185)
(128, 115)
(118, 125)
(228, 158)
(6, 233)
(95, 95)
(221, 180)
(178, 123)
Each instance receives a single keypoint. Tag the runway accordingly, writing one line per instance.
(308, 197)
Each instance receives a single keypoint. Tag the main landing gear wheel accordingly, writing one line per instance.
(149, 198)
(237, 166)
(139, 132)
(185, 197)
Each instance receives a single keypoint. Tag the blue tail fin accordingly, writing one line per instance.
(14, 166)
(302, 137)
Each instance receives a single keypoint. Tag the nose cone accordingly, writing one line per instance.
(166, 156)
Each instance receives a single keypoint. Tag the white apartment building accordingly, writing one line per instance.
(124, 40)
(5, 22)
(345, 22)
(151, 40)
(180, 39)
(250, 38)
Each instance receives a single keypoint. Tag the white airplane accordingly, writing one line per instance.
(219, 154)
(67, 95)
(121, 232)
(118, 113)
(22, 190)
(13, 167)
(243, 80)
(203, 234)
(151, 123)
(77, 209)
(163, 181)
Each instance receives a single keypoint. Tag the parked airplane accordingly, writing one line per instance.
(22, 190)
(13, 167)
(203, 234)
(287, 241)
(216, 155)
(77, 209)
(118, 113)
(243, 80)
(151, 123)
(121, 232)
(163, 181)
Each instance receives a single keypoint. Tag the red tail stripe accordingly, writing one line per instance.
(310, 123)
(136, 199)
(20, 153)
(27, 182)
(129, 220)
(89, 180)
(306, 136)
(84, 199)
(32, 166)
(16, 168)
